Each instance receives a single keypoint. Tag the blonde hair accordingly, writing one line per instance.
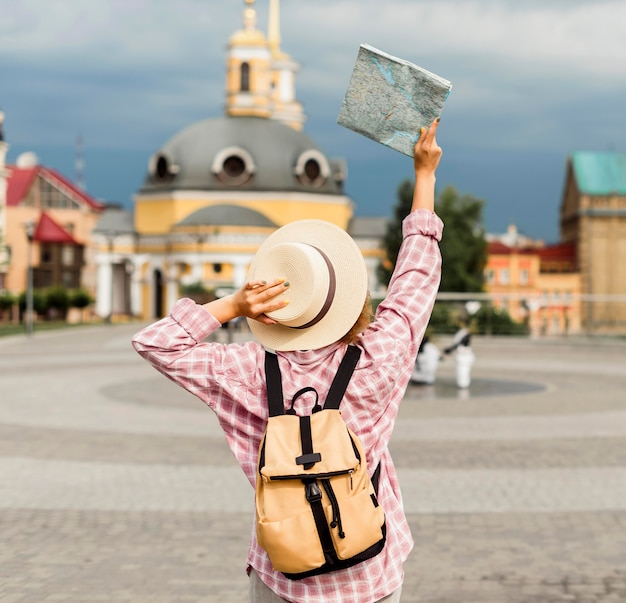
(362, 322)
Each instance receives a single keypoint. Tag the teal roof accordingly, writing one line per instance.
(600, 173)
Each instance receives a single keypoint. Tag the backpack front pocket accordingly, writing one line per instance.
(292, 543)
(361, 524)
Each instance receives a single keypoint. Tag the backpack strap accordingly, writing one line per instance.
(275, 401)
(342, 378)
(338, 389)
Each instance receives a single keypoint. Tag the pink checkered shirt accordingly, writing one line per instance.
(231, 380)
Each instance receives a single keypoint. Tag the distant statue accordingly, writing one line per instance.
(426, 364)
(464, 356)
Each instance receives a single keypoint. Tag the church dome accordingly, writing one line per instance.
(245, 37)
(242, 154)
(227, 215)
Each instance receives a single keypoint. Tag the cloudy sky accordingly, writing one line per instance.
(533, 81)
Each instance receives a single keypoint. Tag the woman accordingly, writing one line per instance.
(307, 300)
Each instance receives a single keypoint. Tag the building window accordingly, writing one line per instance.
(312, 168)
(245, 78)
(523, 276)
(59, 264)
(162, 168)
(491, 276)
(68, 255)
(233, 166)
(52, 197)
(504, 276)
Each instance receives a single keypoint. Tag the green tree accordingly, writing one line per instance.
(393, 236)
(463, 245)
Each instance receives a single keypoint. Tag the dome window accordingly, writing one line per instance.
(162, 169)
(312, 168)
(233, 166)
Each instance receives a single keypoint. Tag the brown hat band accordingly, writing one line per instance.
(329, 296)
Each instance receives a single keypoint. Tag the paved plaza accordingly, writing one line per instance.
(118, 486)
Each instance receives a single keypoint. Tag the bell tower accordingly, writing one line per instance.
(285, 107)
(260, 77)
(248, 69)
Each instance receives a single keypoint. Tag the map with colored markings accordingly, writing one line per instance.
(389, 99)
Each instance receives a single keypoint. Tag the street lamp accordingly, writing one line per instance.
(29, 228)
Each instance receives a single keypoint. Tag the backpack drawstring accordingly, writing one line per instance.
(336, 522)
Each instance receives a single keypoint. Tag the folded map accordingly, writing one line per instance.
(389, 99)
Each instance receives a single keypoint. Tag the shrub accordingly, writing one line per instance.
(7, 300)
(198, 292)
(489, 320)
(80, 298)
(443, 319)
(40, 302)
(58, 300)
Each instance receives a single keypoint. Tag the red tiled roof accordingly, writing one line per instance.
(19, 183)
(498, 248)
(49, 231)
(560, 251)
(21, 179)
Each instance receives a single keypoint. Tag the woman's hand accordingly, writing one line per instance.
(254, 300)
(427, 154)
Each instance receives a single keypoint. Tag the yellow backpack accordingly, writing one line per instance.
(316, 505)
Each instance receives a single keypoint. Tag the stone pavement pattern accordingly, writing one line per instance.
(118, 486)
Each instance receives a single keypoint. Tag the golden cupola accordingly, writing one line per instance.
(260, 78)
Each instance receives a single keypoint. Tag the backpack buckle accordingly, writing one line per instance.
(313, 492)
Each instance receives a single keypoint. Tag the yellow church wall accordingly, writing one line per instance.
(282, 212)
(153, 216)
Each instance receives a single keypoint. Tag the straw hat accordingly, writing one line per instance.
(327, 285)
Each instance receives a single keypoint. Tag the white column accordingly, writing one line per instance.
(172, 286)
(240, 271)
(103, 291)
(197, 270)
(136, 282)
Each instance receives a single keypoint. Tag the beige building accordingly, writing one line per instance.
(537, 285)
(47, 221)
(578, 285)
(5, 254)
(593, 217)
